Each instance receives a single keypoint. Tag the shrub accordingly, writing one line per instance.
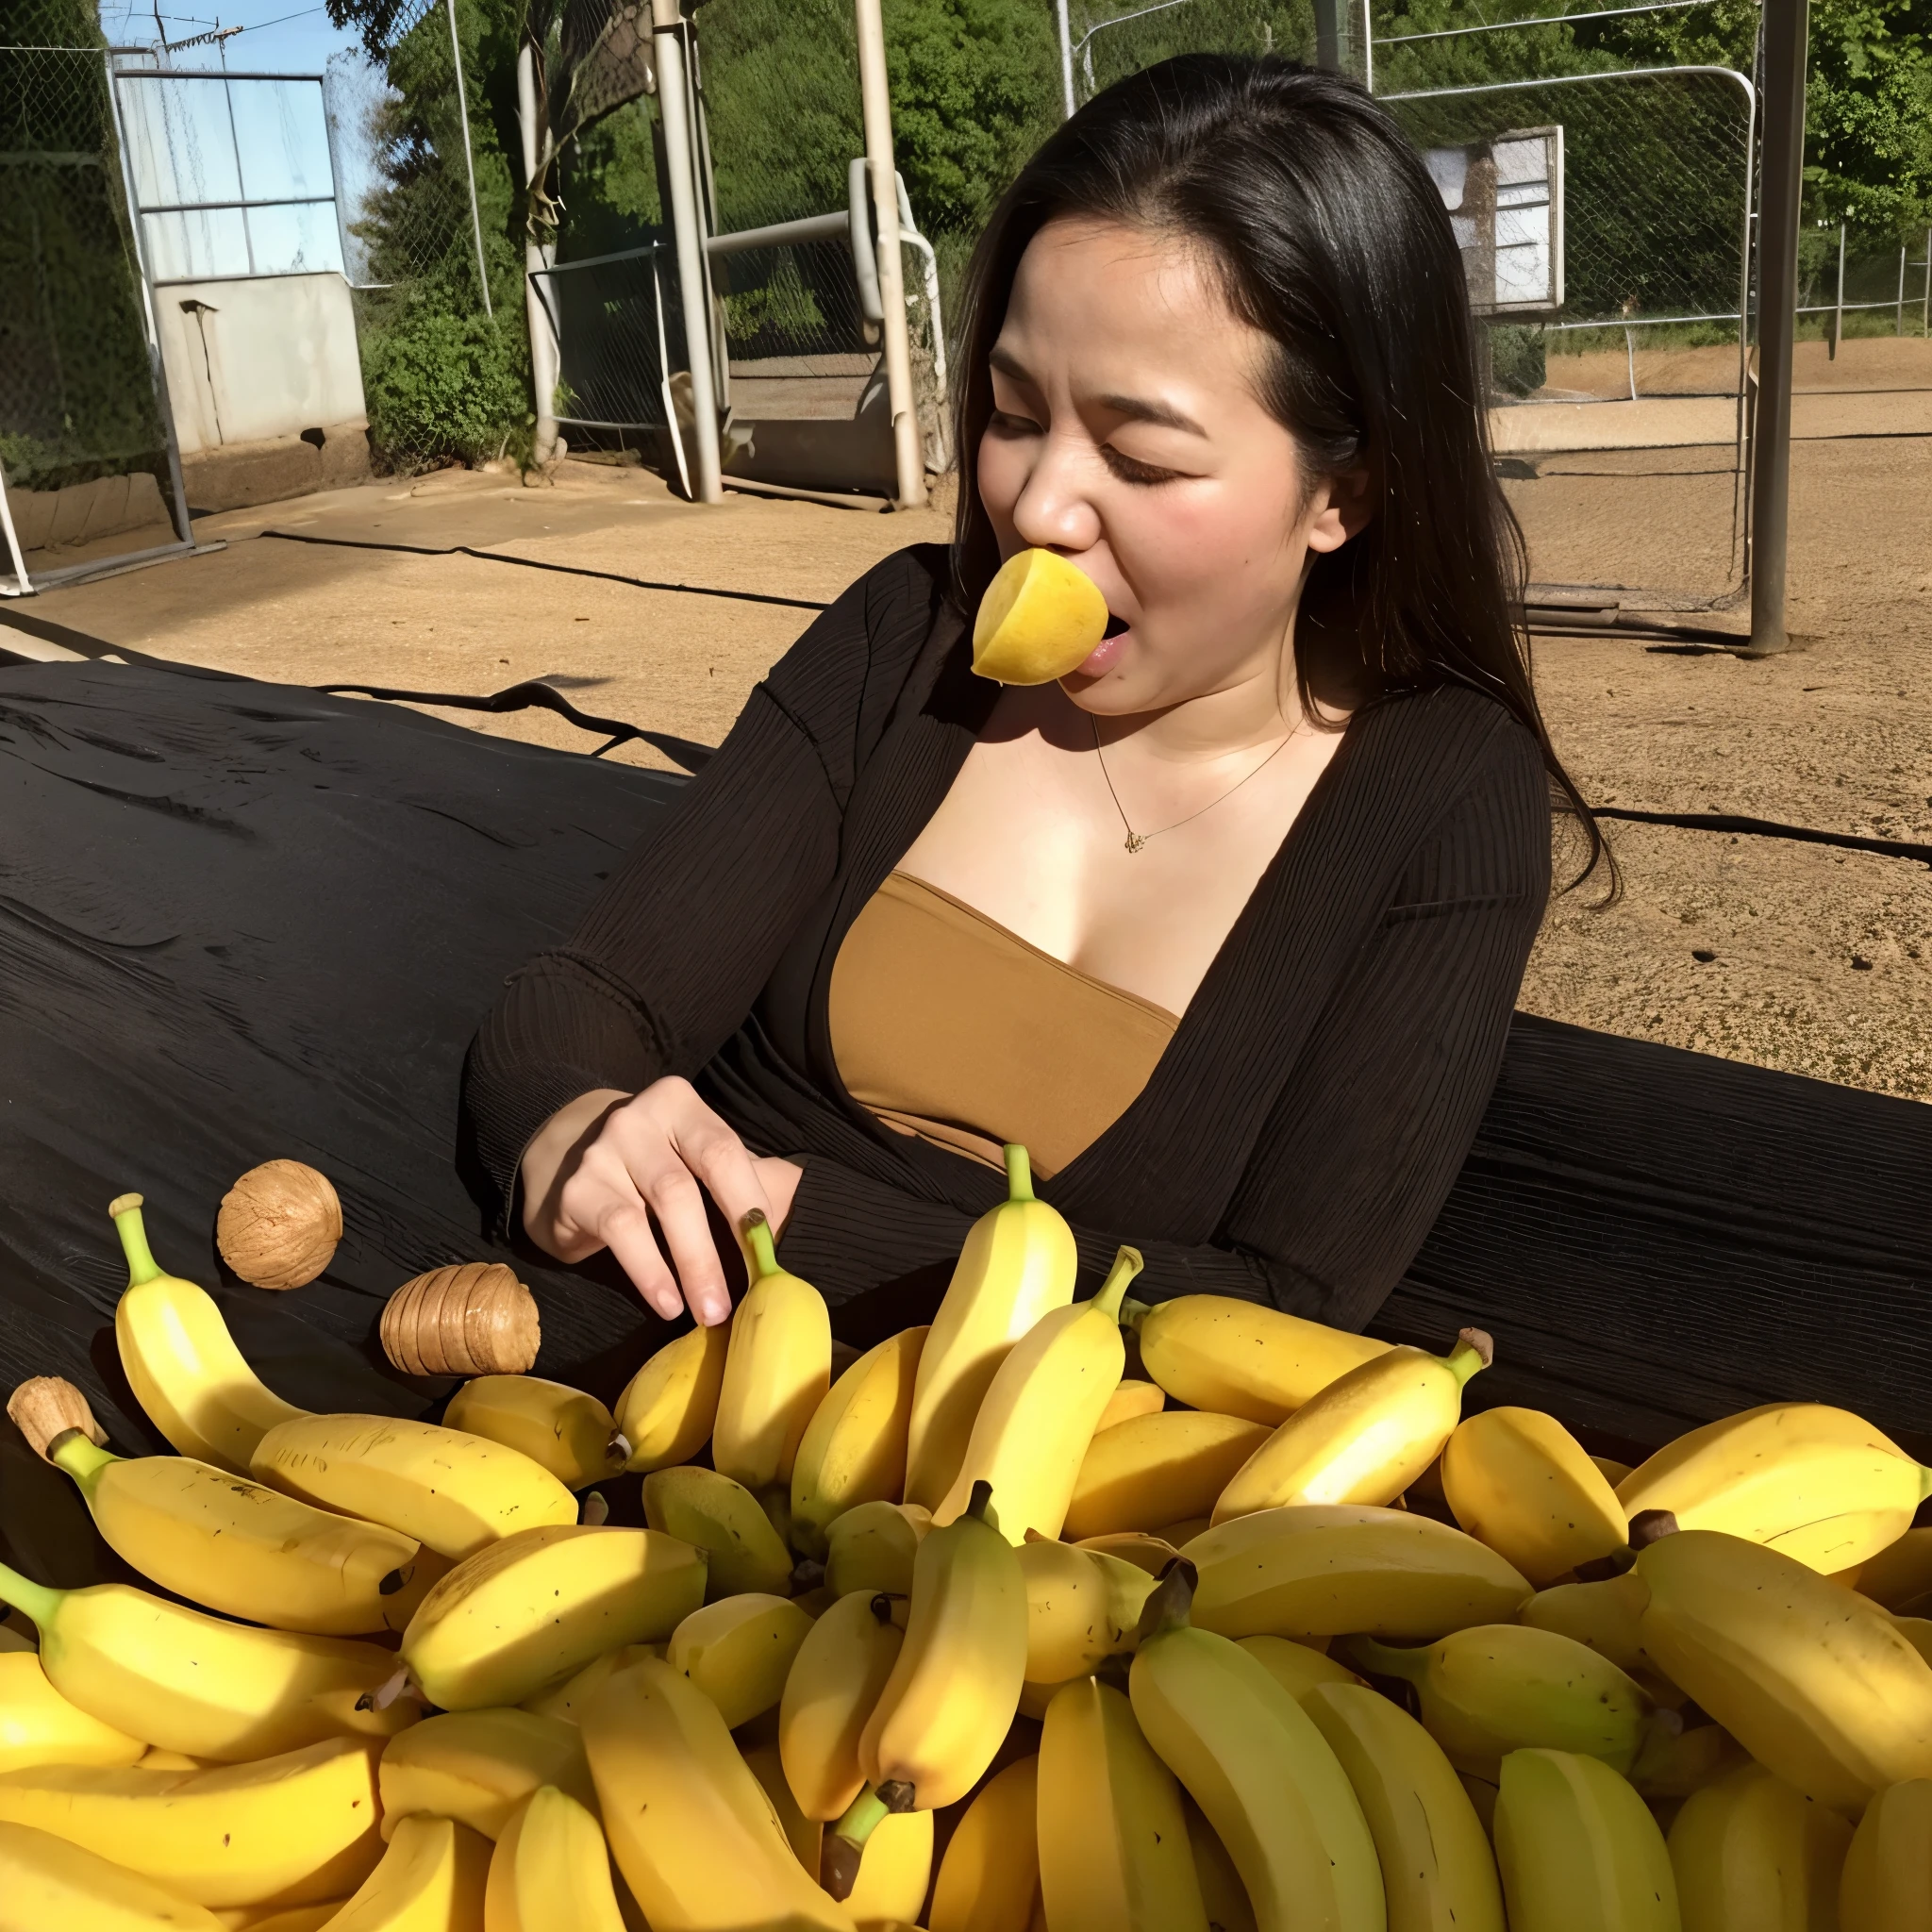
(442, 386)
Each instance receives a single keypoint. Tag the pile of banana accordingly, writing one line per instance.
(986, 1635)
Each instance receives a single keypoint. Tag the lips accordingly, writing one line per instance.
(1106, 652)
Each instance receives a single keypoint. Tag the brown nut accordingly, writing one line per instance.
(279, 1224)
(45, 1407)
(476, 1319)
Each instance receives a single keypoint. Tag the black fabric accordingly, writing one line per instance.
(241, 921)
(1302, 1128)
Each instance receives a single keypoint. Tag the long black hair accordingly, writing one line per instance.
(1329, 237)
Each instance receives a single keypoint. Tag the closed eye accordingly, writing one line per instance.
(1129, 470)
(1007, 423)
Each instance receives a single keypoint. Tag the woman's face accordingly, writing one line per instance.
(1128, 436)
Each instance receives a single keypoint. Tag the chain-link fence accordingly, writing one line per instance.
(85, 448)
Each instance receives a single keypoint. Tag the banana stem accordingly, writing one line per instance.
(83, 1461)
(1924, 1482)
(763, 1256)
(1473, 1350)
(846, 1843)
(1170, 1604)
(1019, 1172)
(141, 1265)
(32, 1599)
(1385, 1660)
(1133, 1313)
(1126, 1264)
(979, 1505)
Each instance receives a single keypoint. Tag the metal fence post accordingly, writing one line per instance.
(1066, 33)
(1838, 312)
(1787, 25)
(1898, 327)
(1331, 36)
(455, 54)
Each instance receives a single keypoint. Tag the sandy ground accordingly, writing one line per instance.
(1818, 961)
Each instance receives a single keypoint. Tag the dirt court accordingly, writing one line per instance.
(1800, 957)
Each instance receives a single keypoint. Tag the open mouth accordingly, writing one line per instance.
(1114, 626)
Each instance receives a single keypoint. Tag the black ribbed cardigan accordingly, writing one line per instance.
(1305, 1123)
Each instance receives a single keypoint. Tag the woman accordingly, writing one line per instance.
(1227, 925)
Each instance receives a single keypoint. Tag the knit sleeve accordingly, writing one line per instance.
(674, 951)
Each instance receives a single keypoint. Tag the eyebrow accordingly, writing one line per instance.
(1137, 408)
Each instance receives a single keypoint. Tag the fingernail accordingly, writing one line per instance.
(714, 1309)
(666, 1306)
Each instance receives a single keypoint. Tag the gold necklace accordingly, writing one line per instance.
(1136, 841)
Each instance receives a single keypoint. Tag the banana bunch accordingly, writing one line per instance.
(1228, 1356)
(1260, 1770)
(534, 1609)
(853, 1448)
(1036, 1420)
(989, 1877)
(1749, 1850)
(1082, 1608)
(1497, 1688)
(433, 1877)
(725, 1521)
(1606, 1617)
(564, 1430)
(778, 1369)
(551, 1868)
(479, 1766)
(1018, 1265)
(740, 1652)
(1814, 1483)
(668, 1407)
(38, 1726)
(1518, 1481)
(1152, 1470)
(1578, 1850)
(570, 1698)
(1365, 1437)
(1818, 1684)
(830, 1692)
(181, 1361)
(1294, 1666)
(871, 1547)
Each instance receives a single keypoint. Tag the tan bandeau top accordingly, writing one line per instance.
(947, 1026)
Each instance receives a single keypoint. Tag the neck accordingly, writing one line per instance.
(1253, 712)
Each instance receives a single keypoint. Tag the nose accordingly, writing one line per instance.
(1055, 510)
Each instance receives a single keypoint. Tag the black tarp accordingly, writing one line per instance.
(241, 921)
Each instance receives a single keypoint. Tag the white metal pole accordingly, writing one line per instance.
(1838, 313)
(693, 290)
(1898, 327)
(456, 53)
(1066, 30)
(1368, 47)
(1925, 306)
(909, 458)
(26, 589)
(537, 259)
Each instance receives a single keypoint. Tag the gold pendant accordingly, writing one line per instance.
(1135, 841)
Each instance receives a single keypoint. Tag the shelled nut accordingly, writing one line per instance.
(476, 1319)
(279, 1224)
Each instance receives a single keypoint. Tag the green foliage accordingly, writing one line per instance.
(445, 387)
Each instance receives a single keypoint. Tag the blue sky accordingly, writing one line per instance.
(281, 36)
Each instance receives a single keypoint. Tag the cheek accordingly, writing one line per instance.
(1231, 545)
(1001, 471)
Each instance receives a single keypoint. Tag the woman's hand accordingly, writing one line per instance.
(599, 1169)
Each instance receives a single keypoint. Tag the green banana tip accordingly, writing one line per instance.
(126, 1212)
(979, 1505)
(1133, 1313)
(29, 1598)
(82, 1458)
(1019, 1172)
(755, 1231)
(1128, 1263)
(1387, 1660)
(1474, 1351)
(844, 1844)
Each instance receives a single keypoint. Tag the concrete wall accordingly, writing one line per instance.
(259, 360)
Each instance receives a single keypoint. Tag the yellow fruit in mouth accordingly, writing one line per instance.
(1039, 619)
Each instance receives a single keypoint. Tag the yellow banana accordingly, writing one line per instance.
(1605, 1616)
(1497, 1688)
(38, 1726)
(692, 1832)
(853, 1448)
(551, 1871)
(722, 1518)
(1294, 1666)
(1365, 1437)
(1033, 1426)
(1253, 1760)
(1140, 1547)
(281, 1831)
(1518, 1481)
(245, 1550)
(990, 1877)
(871, 1547)
(181, 1361)
(1158, 1469)
(1438, 1871)
(570, 1698)
(1751, 1852)
(195, 1683)
(740, 1651)
(1886, 1885)
(834, 1682)
(1018, 1265)
(955, 1685)
(564, 1430)
(1235, 1357)
(1327, 1570)
(1114, 1853)
(1917, 1631)
(454, 1493)
(1131, 1398)
(1900, 1575)
(478, 1766)
(432, 1878)
(1815, 1483)
(667, 1408)
(777, 1370)
(1817, 1684)
(297, 1919)
(893, 1878)
(1222, 1890)
(1578, 1849)
(806, 1836)
(48, 1885)
(535, 1607)
(1082, 1608)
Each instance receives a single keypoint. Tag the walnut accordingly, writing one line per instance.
(279, 1224)
(474, 1320)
